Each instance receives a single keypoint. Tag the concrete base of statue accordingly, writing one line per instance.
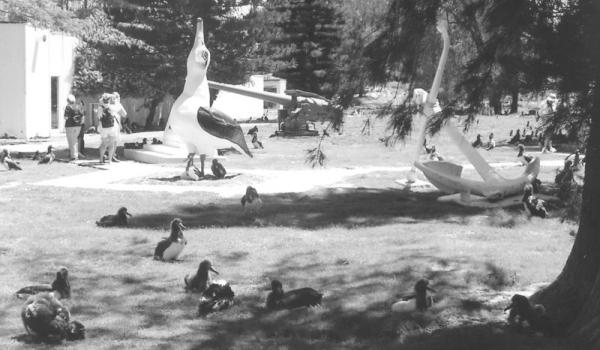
(157, 154)
(171, 150)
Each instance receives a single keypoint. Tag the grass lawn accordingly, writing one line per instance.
(362, 245)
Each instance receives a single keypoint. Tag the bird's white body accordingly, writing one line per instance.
(174, 250)
(404, 306)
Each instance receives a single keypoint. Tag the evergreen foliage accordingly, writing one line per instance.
(305, 42)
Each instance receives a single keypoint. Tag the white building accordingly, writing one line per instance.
(242, 107)
(36, 66)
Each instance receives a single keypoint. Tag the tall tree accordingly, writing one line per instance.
(305, 40)
(361, 23)
(562, 40)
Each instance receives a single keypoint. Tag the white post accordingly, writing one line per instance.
(442, 27)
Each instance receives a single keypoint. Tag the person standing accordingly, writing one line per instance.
(121, 115)
(73, 120)
(109, 127)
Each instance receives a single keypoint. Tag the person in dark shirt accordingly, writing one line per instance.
(73, 122)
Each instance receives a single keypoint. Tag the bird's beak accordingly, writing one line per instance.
(128, 214)
(508, 307)
(431, 289)
(213, 270)
(182, 227)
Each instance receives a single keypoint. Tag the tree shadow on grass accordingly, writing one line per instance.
(355, 312)
(356, 315)
(331, 207)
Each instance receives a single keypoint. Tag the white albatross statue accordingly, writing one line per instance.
(202, 130)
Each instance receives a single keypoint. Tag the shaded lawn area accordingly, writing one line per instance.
(362, 248)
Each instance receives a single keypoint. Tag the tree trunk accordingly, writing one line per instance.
(150, 117)
(496, 102)
(514, 106)
(573, 300)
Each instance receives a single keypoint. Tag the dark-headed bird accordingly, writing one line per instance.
(46, 318)
(251, 201)
(522, 156)
(478, 142)
(170, 248)
(218, 169)
(36, 156)
(199, 281)
(49, 157)
(217, 294)
(8, 162)
(522, 311)
(61, 288)
(292, 299)
(419, 301)
(120, 219)
(533, 206)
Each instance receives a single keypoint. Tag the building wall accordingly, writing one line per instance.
(12, 81)
(242, 107)
(37, 83)
(30, 57)
(277, 86)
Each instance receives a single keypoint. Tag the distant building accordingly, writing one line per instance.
(243, 108)
(36, 67)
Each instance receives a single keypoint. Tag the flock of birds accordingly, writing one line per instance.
(47, 318)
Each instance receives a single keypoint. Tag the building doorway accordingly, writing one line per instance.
(54, 102)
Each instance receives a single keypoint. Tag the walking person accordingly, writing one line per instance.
(73, 125)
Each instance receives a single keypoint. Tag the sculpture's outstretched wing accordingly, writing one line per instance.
(220, 125)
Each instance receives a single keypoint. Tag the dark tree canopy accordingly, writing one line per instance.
(305, 42)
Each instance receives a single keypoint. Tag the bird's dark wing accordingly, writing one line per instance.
(220, 125)
(12, 165)
(161, 247)
(301, 297)
(108, 220)
(219, 291)
(31, 290)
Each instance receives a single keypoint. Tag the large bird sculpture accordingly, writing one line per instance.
(201, 129)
